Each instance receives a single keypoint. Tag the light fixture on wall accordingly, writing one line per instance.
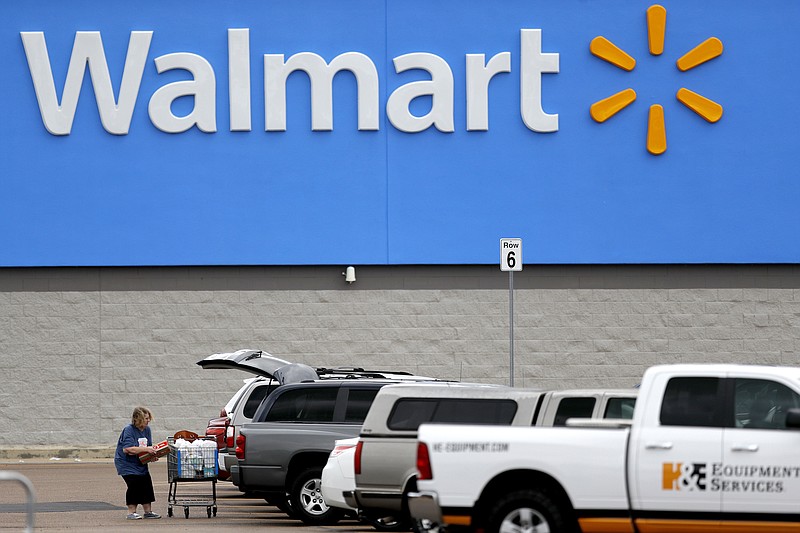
(349, 274)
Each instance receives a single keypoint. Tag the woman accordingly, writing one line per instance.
(135, 439)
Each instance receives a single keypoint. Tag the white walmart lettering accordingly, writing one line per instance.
(116, 115)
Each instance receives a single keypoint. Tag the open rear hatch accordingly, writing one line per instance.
(255, 362)
(261, 363)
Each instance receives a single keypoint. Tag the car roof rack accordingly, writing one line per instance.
(359, 372)
(349, 372)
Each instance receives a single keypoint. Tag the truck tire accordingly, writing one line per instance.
(527, 510)
(305, 498)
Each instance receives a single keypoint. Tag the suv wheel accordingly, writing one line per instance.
(305, 497)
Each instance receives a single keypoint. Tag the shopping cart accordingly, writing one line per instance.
(192, 465)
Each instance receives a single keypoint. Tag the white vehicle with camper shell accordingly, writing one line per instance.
(710, 448)
(381, 469)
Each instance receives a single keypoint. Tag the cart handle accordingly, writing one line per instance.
(7, 475)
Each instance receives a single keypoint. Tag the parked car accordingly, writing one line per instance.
(384, 458)
(270, 372)
(711, 447)
(338, 476)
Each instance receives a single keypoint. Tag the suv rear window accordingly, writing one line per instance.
(408, 413)
(254, 400)
(304, 405)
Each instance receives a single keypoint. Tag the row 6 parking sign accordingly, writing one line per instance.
(511, 255)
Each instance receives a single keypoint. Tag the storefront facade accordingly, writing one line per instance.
(183, 179)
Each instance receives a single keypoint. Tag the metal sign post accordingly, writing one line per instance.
(511, 261)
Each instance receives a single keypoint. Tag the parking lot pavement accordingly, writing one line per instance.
(90, 496)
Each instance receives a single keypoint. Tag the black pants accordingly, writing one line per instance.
(140, 489)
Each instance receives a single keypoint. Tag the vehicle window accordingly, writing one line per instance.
(408, 413)
(762, 404)
(458, 411)
(304, 405)
(254, 400)
(620, 408)
(692, 402)
(358, 403)
(574, 408)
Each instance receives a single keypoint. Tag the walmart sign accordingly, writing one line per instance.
(315, 132)
(87, 52)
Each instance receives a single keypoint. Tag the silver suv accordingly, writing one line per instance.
(270, 372)
(385, 456)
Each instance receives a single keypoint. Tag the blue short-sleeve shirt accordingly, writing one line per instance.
(130, 465)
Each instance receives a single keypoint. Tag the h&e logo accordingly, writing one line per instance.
(684, 476)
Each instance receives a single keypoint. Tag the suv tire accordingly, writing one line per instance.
(305, 498)
(283, 505)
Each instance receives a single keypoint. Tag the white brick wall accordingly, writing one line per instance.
(81, 347)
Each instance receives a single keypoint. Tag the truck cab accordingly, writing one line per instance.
(715, 439)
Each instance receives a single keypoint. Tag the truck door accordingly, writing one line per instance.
(672, 453)
(760, 471)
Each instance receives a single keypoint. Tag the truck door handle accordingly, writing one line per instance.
(744, 448)
(658, 446)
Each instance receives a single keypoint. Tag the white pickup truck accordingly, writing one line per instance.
(709, 448)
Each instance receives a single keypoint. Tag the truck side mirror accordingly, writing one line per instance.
(793, 418)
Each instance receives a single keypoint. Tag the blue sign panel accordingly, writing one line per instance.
(413, 132)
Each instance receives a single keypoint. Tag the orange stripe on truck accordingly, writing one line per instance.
(605, 525)
(724, 526)
(758, 527)
(456, 520)
(649, 525)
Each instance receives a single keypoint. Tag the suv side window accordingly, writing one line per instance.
(693, 401)
(304, 405)
(254, 400)
(762, 404)
(620, 408)
(358, 403)
(574, 408)
(408, 413)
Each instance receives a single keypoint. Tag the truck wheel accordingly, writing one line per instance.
(527, 510)
(305, 498)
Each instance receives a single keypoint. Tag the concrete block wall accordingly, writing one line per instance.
(80, 347)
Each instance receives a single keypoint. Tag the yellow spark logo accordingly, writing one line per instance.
(656, 28)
